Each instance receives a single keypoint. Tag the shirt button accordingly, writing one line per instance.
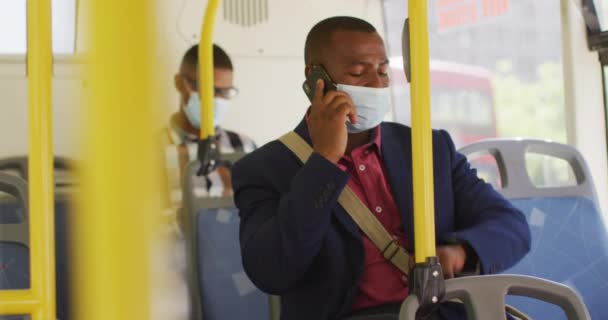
(366, 152)
(362, 167)
(405, 280)
(378, 209)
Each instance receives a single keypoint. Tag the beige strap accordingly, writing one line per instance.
(364, 218)
(517, 313)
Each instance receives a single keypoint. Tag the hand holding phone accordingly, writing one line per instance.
(327, 118)
(317, 72)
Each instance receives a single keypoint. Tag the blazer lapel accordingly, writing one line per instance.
(397, 157)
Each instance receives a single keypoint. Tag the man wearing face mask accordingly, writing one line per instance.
(182, 133)
(180, 142)
(299, 243)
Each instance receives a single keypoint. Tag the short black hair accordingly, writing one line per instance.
(319, 36)
(221, 60)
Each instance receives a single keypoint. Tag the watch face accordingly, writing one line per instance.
(14, 266)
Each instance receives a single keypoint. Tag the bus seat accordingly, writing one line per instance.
(14, 236)
(569, 236)
(18, 166)
(221, 288)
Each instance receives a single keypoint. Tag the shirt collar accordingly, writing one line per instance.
(377, 137)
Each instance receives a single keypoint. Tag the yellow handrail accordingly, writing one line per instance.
(18, 302)
(422, 143)
(39, 301)
(118, 202)
(205, 62)
(41, 183)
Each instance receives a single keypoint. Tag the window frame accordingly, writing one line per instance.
(65, 48)
(597, 40)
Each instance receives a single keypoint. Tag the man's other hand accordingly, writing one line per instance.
(452, 259)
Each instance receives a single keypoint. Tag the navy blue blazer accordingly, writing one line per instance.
(297, 241)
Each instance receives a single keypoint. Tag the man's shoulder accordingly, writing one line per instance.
(441, 138)
(172, 133)
(394, 128)
(270, 160)
(265, 155)
(165, 136)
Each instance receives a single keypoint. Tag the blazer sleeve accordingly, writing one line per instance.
(281, 232)
(497, 232)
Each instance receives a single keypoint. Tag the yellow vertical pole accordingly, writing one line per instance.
(39, 300)
(205, 62)
(41, 184)
(18, 302)
(118, 202)
(422, 143)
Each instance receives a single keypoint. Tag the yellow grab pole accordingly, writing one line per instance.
(18, 302)
(39, 301)
(422, 143)
(118, 201)
(41, 184)
(205, 62)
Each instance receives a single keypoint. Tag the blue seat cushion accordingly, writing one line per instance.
(569, 246)
(227, 292)
(14, 266)
(11, 213)
(15, 260)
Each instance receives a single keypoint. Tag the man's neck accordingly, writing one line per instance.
(180, 119)
(356, 140)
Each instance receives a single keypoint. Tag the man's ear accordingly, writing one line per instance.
(181, 86)
(179, 83)
(307, 70)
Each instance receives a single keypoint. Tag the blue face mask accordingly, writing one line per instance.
(192, 110)
(221, 107)
(372, 105)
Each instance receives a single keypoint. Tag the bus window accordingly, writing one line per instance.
(487, 80)
(13, 28)
(545, 171)
(487, 168)
(461, 99)
(601, 8)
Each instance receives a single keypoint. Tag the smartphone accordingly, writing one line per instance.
(309, 86)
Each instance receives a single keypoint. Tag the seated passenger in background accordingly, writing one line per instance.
(181, 136)
(299, 243)
(180, 144)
